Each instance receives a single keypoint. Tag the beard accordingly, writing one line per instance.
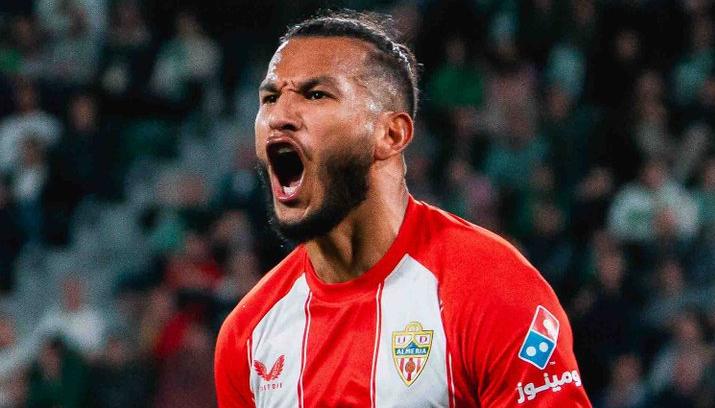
(345, 180)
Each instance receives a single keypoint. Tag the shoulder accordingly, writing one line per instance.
(455, 249)
(479, 272)
(231, 345)
(490, 295)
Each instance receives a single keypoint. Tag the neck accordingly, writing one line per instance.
(362, 238)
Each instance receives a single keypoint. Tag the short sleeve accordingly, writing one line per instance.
(522, 353)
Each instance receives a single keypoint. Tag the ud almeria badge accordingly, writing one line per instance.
(410, 351)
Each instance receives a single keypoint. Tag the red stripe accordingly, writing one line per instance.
(304, 349)
(378, 324)
(338, 345)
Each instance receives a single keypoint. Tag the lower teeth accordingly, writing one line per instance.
(289, 189)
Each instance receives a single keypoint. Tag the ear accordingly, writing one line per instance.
(396, 134)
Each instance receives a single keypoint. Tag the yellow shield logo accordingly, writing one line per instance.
(410, 351)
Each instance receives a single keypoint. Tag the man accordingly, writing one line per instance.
(387, 301)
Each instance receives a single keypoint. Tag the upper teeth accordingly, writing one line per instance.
(285, 149)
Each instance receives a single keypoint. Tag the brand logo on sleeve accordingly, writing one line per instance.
(410, 351)
(540, 341)
(270, 375)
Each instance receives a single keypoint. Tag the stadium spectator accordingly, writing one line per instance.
(626, 388)
(57, 378)
(79, 42)
(193, 267)
(11, 238)
(692, 384)
(569, 129)
(590, 203)
(120, 378)
(58, 18)
(447, 86)
(28, 119)
(158, 311)
(186, 376)
(80, 325)
(705, 196)
(695, 66)
(603, 314)
(12, 379)
(651, 133)
(516, 153)
(80, 159)
(242, 273)
(191, 59)
(653, 205)
(28, 41)
(679, 366)
(126, 60)
(29, 181)
(668, 294)
(546, 246)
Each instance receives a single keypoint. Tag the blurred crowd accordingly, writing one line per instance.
(581, 130)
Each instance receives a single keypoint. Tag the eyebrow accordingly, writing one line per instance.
(272, 87)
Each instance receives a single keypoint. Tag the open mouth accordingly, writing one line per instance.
(287, 166)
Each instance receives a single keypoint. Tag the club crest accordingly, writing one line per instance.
(410, 351)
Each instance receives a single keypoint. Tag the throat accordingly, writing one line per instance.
(356, 245)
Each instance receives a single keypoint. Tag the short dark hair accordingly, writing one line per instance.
(394, 58)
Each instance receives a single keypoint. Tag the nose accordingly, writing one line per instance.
(284, 115)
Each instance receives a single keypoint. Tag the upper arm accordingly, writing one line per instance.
(496, 306)
(523, 350)
(231, 370)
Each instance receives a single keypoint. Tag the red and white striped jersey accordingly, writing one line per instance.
(451, 316)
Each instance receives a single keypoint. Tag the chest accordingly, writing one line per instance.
(385, 348)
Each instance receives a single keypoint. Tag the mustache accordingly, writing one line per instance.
(344, 177)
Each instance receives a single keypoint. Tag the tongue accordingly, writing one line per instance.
(291, 187)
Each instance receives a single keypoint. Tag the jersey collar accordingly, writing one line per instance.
(368, 281)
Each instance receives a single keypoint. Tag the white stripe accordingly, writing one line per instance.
(451, 380)
(410, 294)
(275, 336)
(250, 362)
(377, 342)
(304, 352)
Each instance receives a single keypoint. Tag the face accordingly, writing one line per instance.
(315, 133)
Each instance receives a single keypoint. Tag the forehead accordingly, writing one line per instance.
(305, 57)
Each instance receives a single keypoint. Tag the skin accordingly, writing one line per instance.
(316, 95)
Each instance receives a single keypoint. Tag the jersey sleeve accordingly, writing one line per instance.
(231, 369)
(522, 353)
(510, 338)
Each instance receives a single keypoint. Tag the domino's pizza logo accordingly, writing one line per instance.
(540, 341)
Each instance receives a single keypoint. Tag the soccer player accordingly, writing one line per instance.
(386, 301)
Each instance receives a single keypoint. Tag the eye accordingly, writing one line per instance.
(270, 98)
(315, 95)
